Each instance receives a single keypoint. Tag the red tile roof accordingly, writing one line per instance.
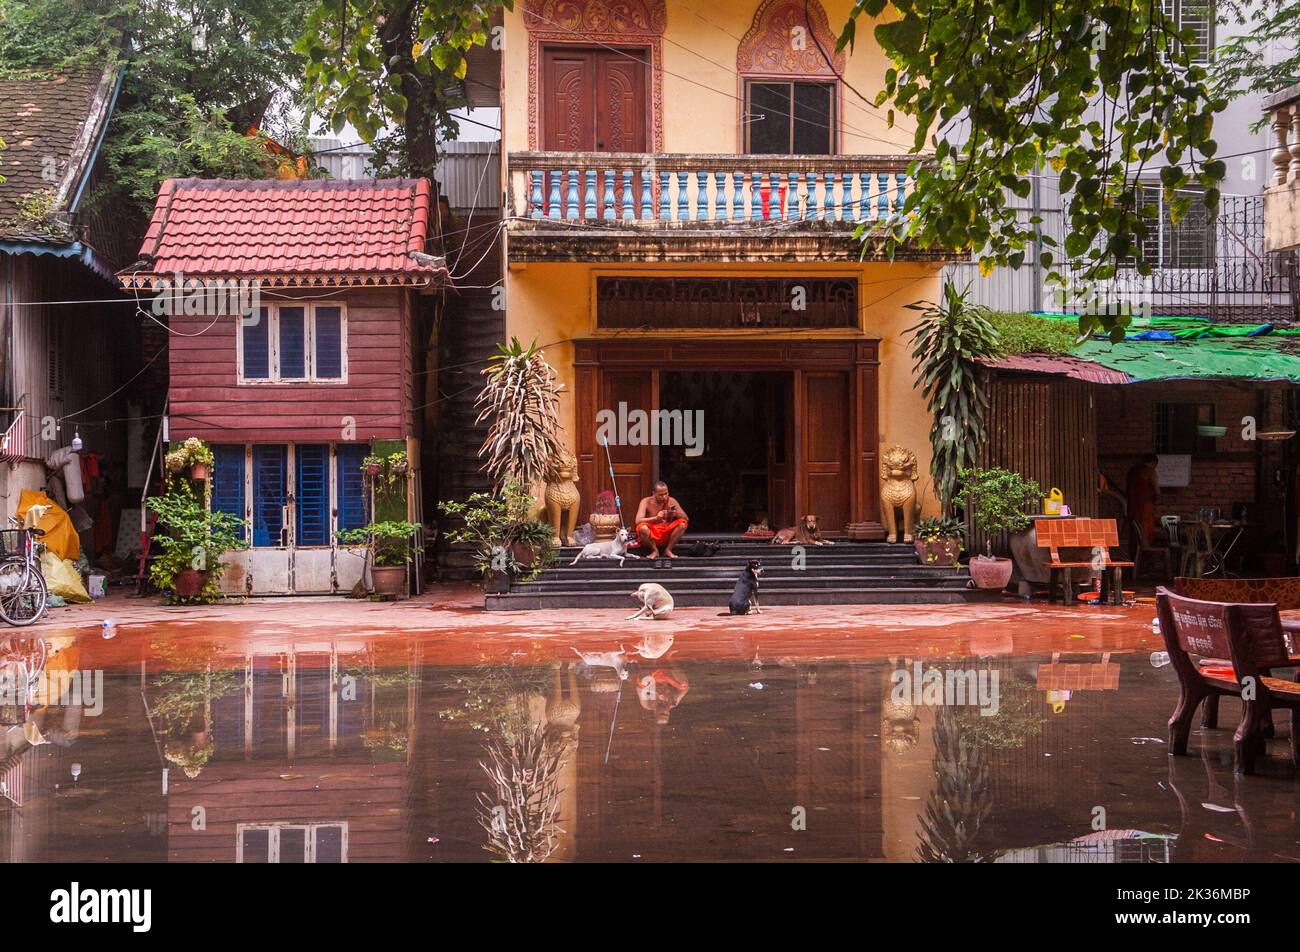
(318, 231)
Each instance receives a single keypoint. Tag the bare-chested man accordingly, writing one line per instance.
(660, 522)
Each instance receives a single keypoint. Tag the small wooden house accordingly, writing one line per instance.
(297, 325)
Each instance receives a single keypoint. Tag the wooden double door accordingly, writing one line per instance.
(830, 466)
(594, 100)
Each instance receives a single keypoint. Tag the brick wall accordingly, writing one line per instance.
(1125, 432)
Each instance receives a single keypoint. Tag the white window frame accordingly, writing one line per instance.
(309, 345)
(273, 839)
(1173, 9)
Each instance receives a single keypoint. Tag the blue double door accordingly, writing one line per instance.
(296, 498)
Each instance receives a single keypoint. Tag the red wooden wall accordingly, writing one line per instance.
(208, 402)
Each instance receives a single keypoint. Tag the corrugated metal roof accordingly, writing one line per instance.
(1059, 366)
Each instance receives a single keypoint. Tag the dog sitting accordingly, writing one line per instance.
(615, 548)
(805, 533)
(655, 602)
(744, 598)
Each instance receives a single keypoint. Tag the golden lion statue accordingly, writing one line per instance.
(562, 497)
(898, 491)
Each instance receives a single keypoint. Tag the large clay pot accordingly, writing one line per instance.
(189, 583)
(605, 524)
(992, 573)
(938, 551)
(199, 472)
(388, 579)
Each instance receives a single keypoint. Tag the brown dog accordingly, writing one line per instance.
(804, 534)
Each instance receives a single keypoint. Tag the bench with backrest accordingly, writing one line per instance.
(1249, 637)
(1099, 536)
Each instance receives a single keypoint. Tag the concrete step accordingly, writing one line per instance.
(531, 600)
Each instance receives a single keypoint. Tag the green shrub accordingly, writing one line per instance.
(1022, 333)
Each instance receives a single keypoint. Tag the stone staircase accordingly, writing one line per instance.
(848, 573)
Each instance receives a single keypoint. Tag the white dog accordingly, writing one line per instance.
(605, 659)
(615, 548)
(655, 602)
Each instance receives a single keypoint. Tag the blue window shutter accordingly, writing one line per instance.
(353, 498)
(270, 491)
(257, 352)
(228, 480)
(293, 341)
(311, 496)
(329, 343)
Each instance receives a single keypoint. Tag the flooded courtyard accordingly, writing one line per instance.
(437, 733)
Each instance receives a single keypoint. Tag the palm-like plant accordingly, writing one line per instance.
(960, 802)
(949, 340)
(521, 397)
(521, 814)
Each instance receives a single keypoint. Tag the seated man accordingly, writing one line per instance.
(660, 522)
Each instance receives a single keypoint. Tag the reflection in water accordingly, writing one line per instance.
(423, 749)
(520, 814)
(960, 801)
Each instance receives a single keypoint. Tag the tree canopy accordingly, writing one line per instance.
(1002, 90)
(198, 78)
(395, 64)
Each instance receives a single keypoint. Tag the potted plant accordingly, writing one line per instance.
(191, 540)
(372, 465)
(939, 540)
(508, 543)
(996, 500)
(388, 548)
(604, 516)
(200, 458)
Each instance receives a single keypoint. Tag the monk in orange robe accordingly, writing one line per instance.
(660, 522)
(1143, 490)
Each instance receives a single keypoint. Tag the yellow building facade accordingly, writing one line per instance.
(683, 182)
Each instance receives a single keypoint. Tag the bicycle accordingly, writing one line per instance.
(23, 593)
(22, 664)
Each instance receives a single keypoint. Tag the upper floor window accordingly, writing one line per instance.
(789, 118)
(294, 343)
(1198, 17)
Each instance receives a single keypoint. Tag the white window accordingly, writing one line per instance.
(1198, 17)
(294, 343)
(291, 843)
(1188, 244)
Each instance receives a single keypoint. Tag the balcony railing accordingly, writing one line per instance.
(650, 190)
(1284, 111)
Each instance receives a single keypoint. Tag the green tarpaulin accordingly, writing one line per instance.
(1182, 348)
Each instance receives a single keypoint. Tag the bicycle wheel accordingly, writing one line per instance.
(23, 595)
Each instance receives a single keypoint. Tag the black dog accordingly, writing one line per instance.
(744, 598)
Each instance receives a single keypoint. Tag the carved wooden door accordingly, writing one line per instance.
(823, 477)
(628, 395)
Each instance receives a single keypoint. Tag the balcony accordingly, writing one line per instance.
(672, 207)
(1282, 197)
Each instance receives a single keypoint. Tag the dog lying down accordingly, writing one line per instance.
(806, 533)
(655, 601)
(615, 548)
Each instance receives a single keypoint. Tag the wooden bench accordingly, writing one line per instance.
(1099, 535)
(1249, 637)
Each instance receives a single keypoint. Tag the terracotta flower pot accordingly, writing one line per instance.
(189, 583)
(605, 524)
(199, 471)
(388, 579)
(992, 573)
(938, 551)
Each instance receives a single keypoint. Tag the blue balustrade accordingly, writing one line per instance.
(535, 195)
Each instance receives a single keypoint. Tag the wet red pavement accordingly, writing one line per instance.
(321, 729)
